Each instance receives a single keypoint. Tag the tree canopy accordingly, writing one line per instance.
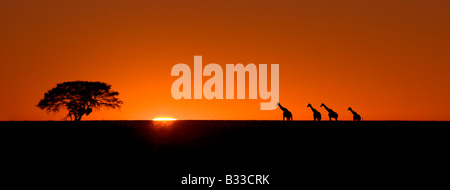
(79, 98)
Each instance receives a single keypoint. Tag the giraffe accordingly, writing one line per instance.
(331, 113)
(286, 113)
(356, 116)
(316, 114)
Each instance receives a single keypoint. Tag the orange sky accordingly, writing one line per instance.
(389, 60)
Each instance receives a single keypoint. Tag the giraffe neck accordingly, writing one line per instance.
(352, 111)
(312, 108)
(328, 109)
(282, 108)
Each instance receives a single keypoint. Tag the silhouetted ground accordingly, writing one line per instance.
(303, 154)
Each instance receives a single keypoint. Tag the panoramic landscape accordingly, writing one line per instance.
(254, 94)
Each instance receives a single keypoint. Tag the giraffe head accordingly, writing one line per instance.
(278, 104)
(349, 108)
(322, 105)
(309, 105)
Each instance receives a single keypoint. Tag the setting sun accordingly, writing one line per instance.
(224, 94)
(387, 60)
(164, 119)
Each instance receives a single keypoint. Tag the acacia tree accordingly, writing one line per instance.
(79, 98)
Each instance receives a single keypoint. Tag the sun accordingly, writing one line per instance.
(164, 119)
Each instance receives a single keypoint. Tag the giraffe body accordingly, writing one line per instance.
(331, 113)
(356, 116)
(316, 114)
(286, 113)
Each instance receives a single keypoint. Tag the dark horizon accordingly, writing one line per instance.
(220, 120)
(150, 154)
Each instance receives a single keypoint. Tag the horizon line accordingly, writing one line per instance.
(214, 120)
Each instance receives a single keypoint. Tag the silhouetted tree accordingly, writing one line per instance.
(79, 98)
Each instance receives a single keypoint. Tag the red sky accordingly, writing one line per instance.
(389, 60)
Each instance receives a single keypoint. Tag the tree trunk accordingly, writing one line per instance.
(78, 118)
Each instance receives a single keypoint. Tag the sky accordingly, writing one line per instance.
(387, 59)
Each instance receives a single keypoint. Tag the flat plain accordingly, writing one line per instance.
(159, 153)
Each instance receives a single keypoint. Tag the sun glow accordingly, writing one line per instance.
(164, 119)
